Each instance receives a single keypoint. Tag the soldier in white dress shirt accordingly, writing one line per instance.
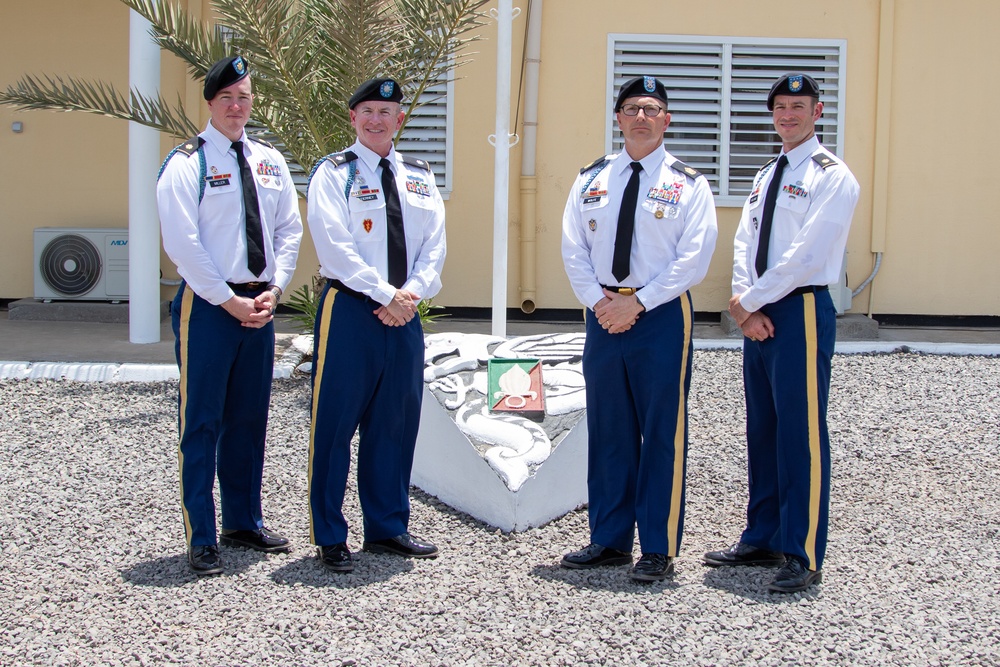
(230, 220)
(639, 230)
(789, 247)
(378, 223)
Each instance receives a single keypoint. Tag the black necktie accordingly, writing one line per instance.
(256, 260)
(626, 226)
(764, 239)
(394, 221)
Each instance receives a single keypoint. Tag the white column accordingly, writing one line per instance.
(143, 163)
(501, 169)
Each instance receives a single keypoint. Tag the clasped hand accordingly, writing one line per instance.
(755, 325)
(400, 310)
(617, 312)
(254, 313)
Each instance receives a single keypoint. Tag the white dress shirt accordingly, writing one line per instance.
(812, 217)
(674, 237)
(348, 225)
(207, 239)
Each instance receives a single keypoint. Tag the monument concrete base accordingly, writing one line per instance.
(447, 466)
(512, 471)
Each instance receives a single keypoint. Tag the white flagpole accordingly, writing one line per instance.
(501, 166)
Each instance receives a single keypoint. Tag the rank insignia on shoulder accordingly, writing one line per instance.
(261, 141)
(823, 160)
(596, 163)
(416, 162)
(340, 159)
(689, 170)
(191, 146)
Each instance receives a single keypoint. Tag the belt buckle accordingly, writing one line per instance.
(253, 287)
(627, 291)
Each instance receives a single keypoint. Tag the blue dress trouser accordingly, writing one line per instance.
(225, 392)
(787, 383)
(367, 377)
(637, 387)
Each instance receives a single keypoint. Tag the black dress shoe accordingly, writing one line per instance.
(794, 577)
(336, 557)
(205, 559)
(258, 540)
(595, 556)
(653, 567)
(402, 545)
(744, 554)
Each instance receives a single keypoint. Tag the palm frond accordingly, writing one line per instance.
(306, 58)
(433, 31)
(175, 30)
(58, 94)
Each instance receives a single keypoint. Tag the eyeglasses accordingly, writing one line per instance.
(651, 110)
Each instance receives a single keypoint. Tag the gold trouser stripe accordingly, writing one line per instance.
(187, 301)
(673, 520)
(812, 395)
(319, 361)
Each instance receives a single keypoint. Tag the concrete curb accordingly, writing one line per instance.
(286, 364)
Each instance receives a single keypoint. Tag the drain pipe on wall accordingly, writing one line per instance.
(529, 183)
(883, 102)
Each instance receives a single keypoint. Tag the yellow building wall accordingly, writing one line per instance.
(937, 221)
(943, 228)
(61, 170)
(572, 113)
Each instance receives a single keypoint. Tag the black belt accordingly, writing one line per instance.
(808, 289)
(341, 287)
(258, 286)
(627, 291)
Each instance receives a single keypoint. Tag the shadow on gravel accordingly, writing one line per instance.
(173, 571)
(368, 569)
(601, 579)
(751, 583)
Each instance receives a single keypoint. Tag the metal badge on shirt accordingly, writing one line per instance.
(361, 190)
(662, 201)
(217, 180)
(592, 197)
(269, 174)
(795, 189)
(417, 186)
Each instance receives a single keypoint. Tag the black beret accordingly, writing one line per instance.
(380, 90)
(793, 83)
(225, 73)
(641, 86)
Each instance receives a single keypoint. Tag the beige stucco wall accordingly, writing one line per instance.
(943, 228)
(573, 108)
(938, 225)
(60, 170)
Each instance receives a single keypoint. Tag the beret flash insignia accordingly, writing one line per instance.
(386, 89)
(648, 84)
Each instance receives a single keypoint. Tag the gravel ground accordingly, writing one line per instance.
(93, 571)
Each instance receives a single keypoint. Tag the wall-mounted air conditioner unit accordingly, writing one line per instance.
(75, 263)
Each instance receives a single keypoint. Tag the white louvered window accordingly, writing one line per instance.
(717, 87)
(428, 132)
